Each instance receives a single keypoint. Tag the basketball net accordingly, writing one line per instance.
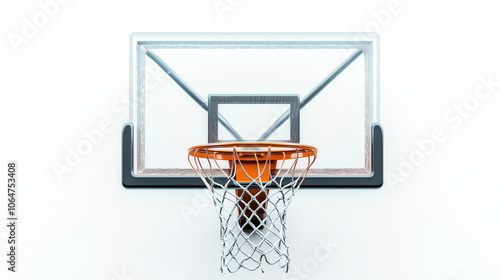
(252, 215)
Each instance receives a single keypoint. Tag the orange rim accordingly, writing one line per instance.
(274, 151)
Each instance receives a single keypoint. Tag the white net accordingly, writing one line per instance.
(252, 214)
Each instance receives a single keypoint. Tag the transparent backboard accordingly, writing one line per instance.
(333, 76)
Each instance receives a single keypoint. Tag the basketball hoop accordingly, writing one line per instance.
(252, 218)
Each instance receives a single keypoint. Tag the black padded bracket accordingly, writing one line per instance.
(131, 180)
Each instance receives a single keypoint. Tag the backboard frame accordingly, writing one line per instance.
(374, 146)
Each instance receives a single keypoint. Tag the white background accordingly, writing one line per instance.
(436, 217)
